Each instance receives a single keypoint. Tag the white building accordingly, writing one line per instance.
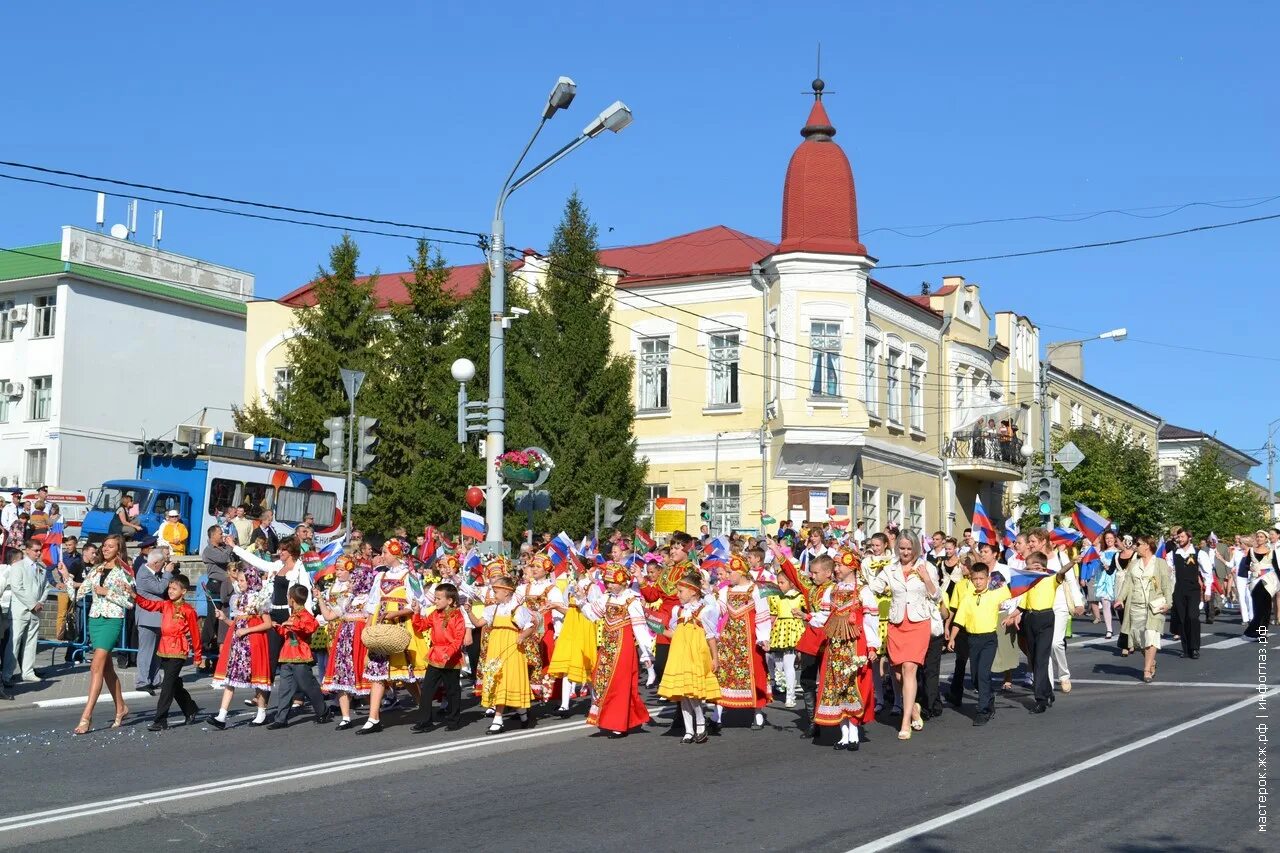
(103, 341)
(1180, 446)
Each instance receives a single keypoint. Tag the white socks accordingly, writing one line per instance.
(759, 719)
(566, 693)
(848, 732)
(686, 712)
(497, 718)
(346, 718)
(261, 716)
(222, 715)
(716, 712)
(652, 677)
(698, 716)
(370, 723)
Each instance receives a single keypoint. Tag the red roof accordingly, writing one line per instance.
(819, 206)
(712, 251)
(389, 288)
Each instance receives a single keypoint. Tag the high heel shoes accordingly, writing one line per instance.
(83, 729)
(120, 718)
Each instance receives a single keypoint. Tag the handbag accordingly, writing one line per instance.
(385, 639)
(69, 631)
(1156, 604)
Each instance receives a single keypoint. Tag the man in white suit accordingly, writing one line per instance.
(28, 585)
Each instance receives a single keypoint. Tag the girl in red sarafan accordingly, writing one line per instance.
(744, 640)
(616, 707)
(850, 617)
(244, 661)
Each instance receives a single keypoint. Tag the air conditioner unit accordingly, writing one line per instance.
(18, 315)
(195, 434)
(277, 449)
(14, 389)
(241, 440)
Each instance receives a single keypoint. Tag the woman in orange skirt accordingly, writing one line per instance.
(913, 595)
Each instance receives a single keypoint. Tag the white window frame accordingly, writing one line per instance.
(915, 514)
(33, 409)
(724, 359)
(893, 385)
(870, 508)
(825, 338)
(725, 499)
(654, 369)
(893, 509)
(1055, 410)
(283, 383)
(6, 328)
(1097, 421)
(915, 392)
(44, 323)
(1077, 415)
(29, 458)
(871, 375)
(653, 491)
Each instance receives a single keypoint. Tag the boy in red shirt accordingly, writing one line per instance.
(179, 636)
(444, 664)
(294, 674)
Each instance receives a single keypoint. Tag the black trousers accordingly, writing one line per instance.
(927, 678)
(1261, 610)
(962, 659)
(292, 679)
(1037, 628)
(451, 679)
(172, 689)
(808, 678)
(982, 654)
(660, 652)
(1186, 608)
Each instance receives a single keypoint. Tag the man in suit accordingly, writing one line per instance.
(28, 585)
(151, 582)
(267, 522)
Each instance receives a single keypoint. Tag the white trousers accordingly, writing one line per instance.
(1246, 602)
(1058, 659)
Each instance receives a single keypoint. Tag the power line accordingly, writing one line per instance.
(266, 206)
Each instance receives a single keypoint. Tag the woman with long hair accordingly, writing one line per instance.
(1104, 581)
(913, 593)
(111, 583)
(1144, 594)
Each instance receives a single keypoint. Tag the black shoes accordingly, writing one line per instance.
(216, 723)
(422, 728)
(616, 735)
(158, 726)
(370, 730)
(1040, 708)
(190, 719)
(324, 719)
(1195, 656)
(981, 719)
(343, 726)
(276, 725)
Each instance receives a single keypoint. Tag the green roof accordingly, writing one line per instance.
(46, 259)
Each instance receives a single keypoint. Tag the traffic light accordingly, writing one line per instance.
(1048, 495)
(705, 511)
(359, 492)
(336, 444)
(366, 443)
(612, 515)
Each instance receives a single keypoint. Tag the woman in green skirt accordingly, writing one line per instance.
(111, 584)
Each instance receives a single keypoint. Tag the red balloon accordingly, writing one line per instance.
(831, 511)
(475, 497)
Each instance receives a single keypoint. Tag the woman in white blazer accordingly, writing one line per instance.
(914, 594)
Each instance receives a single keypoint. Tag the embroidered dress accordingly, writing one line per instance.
(689, 674)
(347, 656)
(392, 592)
(811, 639)
(506, 670)
(244, 662)
(540, 647)
(744, 682)
(845, 688)
(616, 704)
(574, 655)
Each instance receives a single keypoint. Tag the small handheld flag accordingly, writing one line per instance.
(472, 564)
(1088, 522)
(1022, 580)
(643, 541)
(983, 529)
(1090, 562)
(53, 543)
(473, 525)
(1160, 548)
(1060, 537)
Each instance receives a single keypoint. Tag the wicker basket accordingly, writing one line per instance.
(385, 639)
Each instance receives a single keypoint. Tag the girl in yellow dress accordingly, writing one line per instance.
(788, 627)
(690, 674)
(574, 657)
(506, 672)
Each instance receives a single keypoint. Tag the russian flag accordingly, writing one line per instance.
(983, 529)
(1010, 537)
(1160, 548)
(473, 525)
(718, 547)
(1090, 562)
(53, 543)
(1022, 580)
(330, 552)
(1088, 522)
(1060, 537)
(472, 563)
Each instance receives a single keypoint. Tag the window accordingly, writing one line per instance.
(291, 505)
(4, 403)
(256, 496)
(824, 343)
(869, 389)
(653, 491)
(6, 328)
(893, 387)
(284, 383)
(1169, 476)
(1055, 409)
(323, 507)
(223, 493)
(724, 369)
(1097, 420)
(893, 509)
(46, 316)
(1077, 415)
(655, 363)
(36, 462)
(775, 361)
(915, 515)
(871, 509)
(725, 506)
(166, 501)
(41, 398)
(915, 392)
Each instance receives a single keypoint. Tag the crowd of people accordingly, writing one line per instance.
(846, 626)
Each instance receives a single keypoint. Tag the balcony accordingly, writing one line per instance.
(983, 458)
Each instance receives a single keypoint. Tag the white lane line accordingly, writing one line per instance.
(1236, 684)
(71, 701)
(1067, 772)
(1230, 644)
(133, 801)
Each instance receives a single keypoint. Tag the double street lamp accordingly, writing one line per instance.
(614, 118)
(1046, 468)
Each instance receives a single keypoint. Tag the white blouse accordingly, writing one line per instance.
(910, 599)
(519, 614)
(596, 606)
(709, 616)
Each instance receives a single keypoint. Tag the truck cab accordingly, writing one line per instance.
(153, 499)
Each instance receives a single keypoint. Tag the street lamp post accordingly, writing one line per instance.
(1046, 466)
(614, 118)
(1271, 469)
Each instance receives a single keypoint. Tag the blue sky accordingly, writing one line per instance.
(949, 113)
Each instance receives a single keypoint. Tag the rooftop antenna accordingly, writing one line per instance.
(157, 228)
(132, 217)
(101, 217)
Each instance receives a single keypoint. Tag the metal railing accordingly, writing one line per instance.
(968, 448)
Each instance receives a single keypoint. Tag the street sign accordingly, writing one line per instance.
(1069, 456)
(351, 381)
(534, 501)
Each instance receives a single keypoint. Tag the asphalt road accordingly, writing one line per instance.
(1115, 765)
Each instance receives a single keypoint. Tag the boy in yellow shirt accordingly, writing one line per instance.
(978, 614)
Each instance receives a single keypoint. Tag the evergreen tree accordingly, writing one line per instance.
(421, 470)
(1206, 501)
(339, 330)
(579, 402)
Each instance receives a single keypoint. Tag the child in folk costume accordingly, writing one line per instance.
(396, 596)
(480, 596)
(690, 674)
(788, 627)
(875, 561)
(294, 673)
(658, 589)
(812, 641)
(616, 707)
(849, 617)
(744, 640)
(178, 622)
(245, 660)
(574, 657)
(343, 606)
(538, 594)
(506, 670)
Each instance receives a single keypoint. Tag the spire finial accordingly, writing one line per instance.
(818, 85)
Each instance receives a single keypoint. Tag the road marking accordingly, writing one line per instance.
(71, 701)
(133, 801)
(1021, 790)
(1236, 684)
(1230, 644)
